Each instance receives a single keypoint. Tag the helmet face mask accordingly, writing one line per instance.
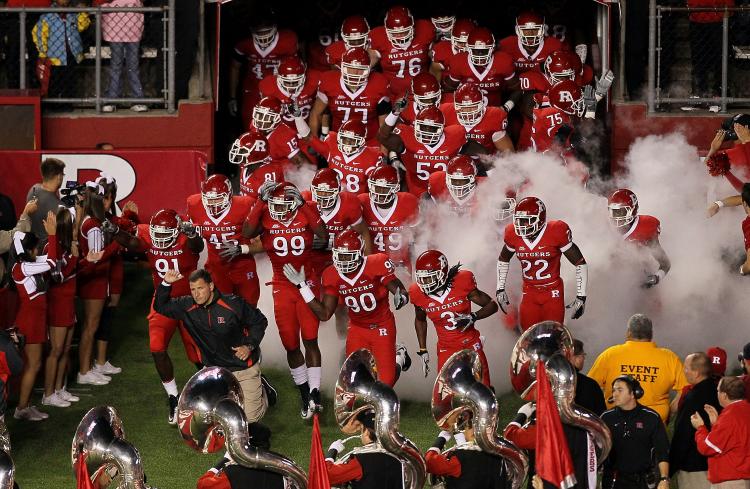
(431, 271)
(526, 225)
(238, 153)
(349, 143)
(460, 186)
(216, 195)
(480, 55)
(382, 192)
(428, 132)
(469, 113)
(443, 24)
(264, 35)
(324, 195)
(354, 75)
(430, 99)
(530, 29)
(264, 119)
(163, 237)
(400, 37)
(355, 32)
(348, 251)
(430, 280)
(281, 209)
(292, 83)
(505, 209)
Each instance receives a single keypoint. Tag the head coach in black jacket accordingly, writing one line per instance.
(684, 460)
(227, 330)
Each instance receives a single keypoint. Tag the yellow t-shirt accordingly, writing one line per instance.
(659, 371)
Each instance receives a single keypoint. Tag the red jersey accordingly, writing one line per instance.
(490, 128)
(540, 259)
(491, 78)
(421, 160)
(263, 62)
(392, 233)
(352, 170)
(177, 257)
(746, 231)
(521, 58)
(534, 81)
(546, 122)
(250, 182)
(334, 52)
(225, 228)
(437, 187)
(317, 49)
(269, 86)
(288, 243)
(442, 309)
(345, 104)
(410, 112)
(442, 53)
(400, 65)
(644, 230)
(364, 292)
(283, 144)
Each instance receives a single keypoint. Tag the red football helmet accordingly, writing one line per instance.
(567, 97)
(216, 194)
(443, 25)
(325, 188)
(530, 29)
(431, 271)
(529, 217)
(267, 114)
(355, 31)
(383, 184)
(355, 67)
(399, 26)
(481, 45)
(468, 101)
(250, 148)
(460, 34)
(623, 207)
(281, 206)
(558, 67)
(291, 75)
(461, 176)
(351, 137)
(348, 251)
(164, 228)
(428, 125)
(426, 90)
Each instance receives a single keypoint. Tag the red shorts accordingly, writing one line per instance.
(160, 332)
(380, 340)
(8, 307)
(240, 279)
(542, 303)
(32, 319)
(94, 285)
(116, 274)
(294, 318)
(471, 342)
(61, 305)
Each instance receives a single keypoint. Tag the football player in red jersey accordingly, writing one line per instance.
(492, 70)
(425, 92)
(444, 294)
(733, 201)
(403, 48)
(292, 82)
(390, 215)
(355, 33)
(219, 216)
(282, 139)
(287, 226)
(443, 20)
(530, 46)
(353, 93)
(260, 55)
(251, 152)
(444, 51)
(539, 244)
(455, 186)
(640, 229)
(485, 125)
(554, 121)
(169, 243)
(362, 283)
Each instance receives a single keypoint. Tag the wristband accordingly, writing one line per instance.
(661, 274)
(167, 284)
(719, 203)
(508, 105)
(391, 119)
(244, 249)
(741, 271)
(306, 293)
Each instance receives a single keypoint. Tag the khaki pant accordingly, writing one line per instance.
(738, 484)
(692, 480)
(256, 402)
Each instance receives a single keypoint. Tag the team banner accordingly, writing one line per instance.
(153, 179)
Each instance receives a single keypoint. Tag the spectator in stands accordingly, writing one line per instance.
(124, 31)
(658, 370)
(11, 32)
(684, 459)
(588, 393)
(705, 46)
(46, 193)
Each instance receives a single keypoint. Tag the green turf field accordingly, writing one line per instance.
(41, 450)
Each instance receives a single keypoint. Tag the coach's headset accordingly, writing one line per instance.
(633, 385)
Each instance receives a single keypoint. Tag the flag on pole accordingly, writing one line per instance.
(83, 479)
(317, 475)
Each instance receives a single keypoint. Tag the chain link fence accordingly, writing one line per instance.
(699, 58)
(103, 57)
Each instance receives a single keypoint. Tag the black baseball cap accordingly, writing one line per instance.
(367, 418)
(728, 125)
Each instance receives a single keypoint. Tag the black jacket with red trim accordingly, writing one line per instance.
(226, 321)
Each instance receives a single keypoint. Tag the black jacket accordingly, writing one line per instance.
(683, 454)
(639, 440)
(225, 322)
(589, 395)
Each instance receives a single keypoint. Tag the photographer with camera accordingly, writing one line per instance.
(46, 193)
(720, 162)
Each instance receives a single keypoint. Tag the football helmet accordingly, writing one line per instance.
(250, 148)
(216, 194)
(264, 31)
(431, 271)
(383, 184)
(281, 206)
(267, 114)
(468, 101)
(399, 26)
(623, 207)
(355, 67)
(428, 126)
(460, 34)
(529, 216)
(348, 251)
(325, 188)
(291, 75)
(355, 32)
(351, 137)
(567, 97)
(164, 228)
(461, 176)
(558, 67)
(481, 45)
(426, 90)
(505, 208)
(443, 25)
(530, 29)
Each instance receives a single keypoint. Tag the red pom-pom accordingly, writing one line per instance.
(718, 164)
(131, 215)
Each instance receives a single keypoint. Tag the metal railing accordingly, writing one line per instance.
(68, 58)
(717, 70)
